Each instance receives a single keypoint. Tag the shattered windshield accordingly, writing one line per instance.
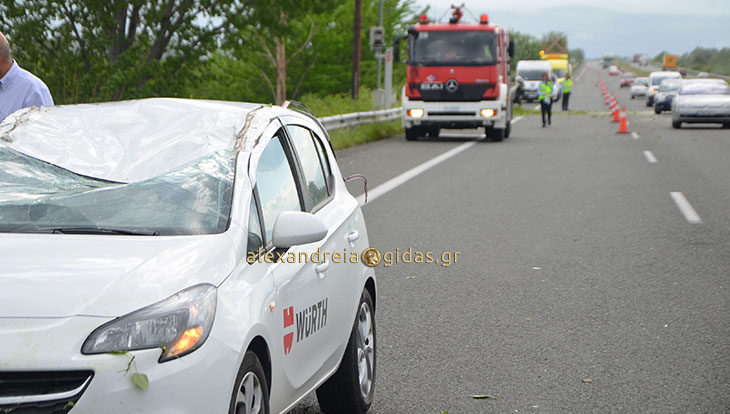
(38, 197)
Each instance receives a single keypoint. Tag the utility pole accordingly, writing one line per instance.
(380, 23)
(356, 42)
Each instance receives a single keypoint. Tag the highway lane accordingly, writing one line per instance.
(581, 287)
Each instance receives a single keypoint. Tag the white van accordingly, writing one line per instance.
(529, 74)
(655, 79)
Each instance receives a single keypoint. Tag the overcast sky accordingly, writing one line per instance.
(621, 27)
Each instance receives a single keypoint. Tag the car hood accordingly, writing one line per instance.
(43, 275)
(702, 100)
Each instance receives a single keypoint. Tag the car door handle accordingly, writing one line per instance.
(352, 236)
(322, 268)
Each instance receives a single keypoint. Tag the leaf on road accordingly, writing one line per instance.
(117, 352)
(484, 397)
(410, 277)
(587, 381)
(141, 381)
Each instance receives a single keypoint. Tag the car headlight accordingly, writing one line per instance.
(179, 325)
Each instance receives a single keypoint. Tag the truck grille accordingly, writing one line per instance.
(466, 92)
(44, 392)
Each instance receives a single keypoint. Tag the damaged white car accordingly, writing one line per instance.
(132, 279)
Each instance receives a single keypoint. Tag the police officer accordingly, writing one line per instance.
(567, 87)
(545, 90)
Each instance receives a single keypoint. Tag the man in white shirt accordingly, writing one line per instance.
(18, 87)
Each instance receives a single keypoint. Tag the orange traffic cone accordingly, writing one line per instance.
(616, 115)
(623, 127)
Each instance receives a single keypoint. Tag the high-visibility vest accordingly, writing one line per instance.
(546, 89)
(567, 85)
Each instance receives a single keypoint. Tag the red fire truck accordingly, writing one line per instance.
(458, 77)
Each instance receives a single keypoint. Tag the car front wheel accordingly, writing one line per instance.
(351, 388)
(676, 124)
(251, 393)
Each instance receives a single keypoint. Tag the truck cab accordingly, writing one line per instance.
(458, 77)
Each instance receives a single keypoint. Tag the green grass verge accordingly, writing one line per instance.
(631, 68)
(519, 110)
(348, 137)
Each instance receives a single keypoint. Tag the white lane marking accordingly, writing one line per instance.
(650, 157)
(634, 135)
(518, 119)
(413, 172)
(685, 207)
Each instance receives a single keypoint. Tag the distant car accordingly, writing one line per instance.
(169, 243)
(613, 70)
(627, 79)
(702, 101)
(655, 79)
(667, 91)
(639, 87)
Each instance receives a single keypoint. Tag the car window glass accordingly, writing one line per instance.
(310, 161)
(276, 186)
(255, 241)
(323, 156)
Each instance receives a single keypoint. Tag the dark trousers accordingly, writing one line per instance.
(566, 97)
(546, 108)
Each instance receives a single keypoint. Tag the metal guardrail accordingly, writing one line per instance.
(358, 118)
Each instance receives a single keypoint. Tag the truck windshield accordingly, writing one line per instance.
(38, 197)
(457, 48)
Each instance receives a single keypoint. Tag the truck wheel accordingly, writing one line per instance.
(494, 134)
(657, 110)
(508, 129)
(676, 124)
(350, 389)
(412, 134)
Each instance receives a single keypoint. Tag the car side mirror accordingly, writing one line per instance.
(511, 48)
(293, 228)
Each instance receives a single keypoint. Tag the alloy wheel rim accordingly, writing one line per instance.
(250, 395)
(365, 350)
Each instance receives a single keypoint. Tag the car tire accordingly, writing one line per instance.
(657, 110)
(251, 390)
(345, 392)
(494, 134)
(632, 97)
(508, 129)
(726, 126)
(412, 134)
(676, 124)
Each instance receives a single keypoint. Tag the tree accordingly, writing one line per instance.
(526, 47)
(89, 50)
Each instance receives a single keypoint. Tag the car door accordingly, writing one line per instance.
(339, 276)
(301, 301)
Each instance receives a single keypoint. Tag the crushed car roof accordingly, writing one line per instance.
(127, 141)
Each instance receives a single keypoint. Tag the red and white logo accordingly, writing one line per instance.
(288, 322)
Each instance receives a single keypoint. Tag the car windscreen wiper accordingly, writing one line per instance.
(100, 230)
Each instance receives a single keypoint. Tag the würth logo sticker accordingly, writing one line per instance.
(309, 321)
(288, 321)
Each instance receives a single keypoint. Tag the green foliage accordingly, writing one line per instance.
(88, 50)
(660, 57)
(707, 59)
(348, 137)
(526, 47)
(577, 56)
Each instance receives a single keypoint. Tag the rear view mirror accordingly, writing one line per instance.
(293, 228)
(511, 48)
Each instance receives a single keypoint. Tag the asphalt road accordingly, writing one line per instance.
(581, 286)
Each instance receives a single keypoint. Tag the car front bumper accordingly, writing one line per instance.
(201, 381)
(454, 115)
(699, 118)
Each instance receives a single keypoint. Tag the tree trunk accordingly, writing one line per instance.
(280, 70)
